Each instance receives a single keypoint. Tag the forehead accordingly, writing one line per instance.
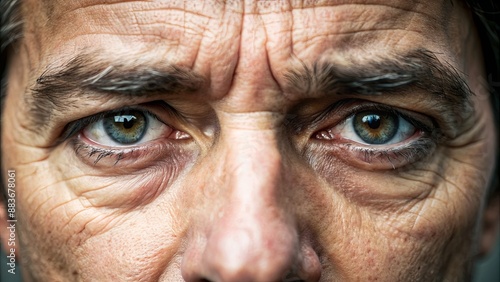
(221, 39)
(185, 26)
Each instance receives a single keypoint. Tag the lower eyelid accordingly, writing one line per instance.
(151, 169)
(132, 158)
(394, 158)
(381, 157)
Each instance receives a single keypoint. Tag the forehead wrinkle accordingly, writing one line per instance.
(152, 22)
(352, 20)
(196, 8)
(137, 20)
(417, 6)
(346, 27)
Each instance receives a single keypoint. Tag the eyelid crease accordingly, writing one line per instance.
(74, 127)
(349, 107)
(299, 123)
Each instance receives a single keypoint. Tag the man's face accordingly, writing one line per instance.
(247, 140)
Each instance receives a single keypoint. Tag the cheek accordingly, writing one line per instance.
(416, 223)
(407, 246)
(139, 245)
(125, 181)
(45, 217)
(59, 229)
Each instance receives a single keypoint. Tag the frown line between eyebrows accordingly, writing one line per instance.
(85, 77)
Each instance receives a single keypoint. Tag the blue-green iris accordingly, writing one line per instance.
(375, 127)
(127, 127)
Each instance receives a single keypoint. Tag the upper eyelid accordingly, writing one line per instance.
(345, 111)
(76, 126)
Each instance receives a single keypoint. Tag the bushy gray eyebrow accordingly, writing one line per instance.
(419, 68)
(85, 77)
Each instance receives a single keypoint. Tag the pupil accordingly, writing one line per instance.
(373, 121)
(128, 123)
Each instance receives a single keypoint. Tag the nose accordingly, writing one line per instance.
(252, 235)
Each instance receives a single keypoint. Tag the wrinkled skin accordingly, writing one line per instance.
(243, 197)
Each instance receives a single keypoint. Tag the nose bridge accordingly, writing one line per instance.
(253, 163)
(253, 167)
(253, 239)
(254, 181)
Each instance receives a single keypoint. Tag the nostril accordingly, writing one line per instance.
(292, 277)
(286, 279)
(295, 279)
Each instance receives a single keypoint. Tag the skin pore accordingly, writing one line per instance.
(250, 167)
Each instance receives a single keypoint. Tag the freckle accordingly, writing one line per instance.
(75, 273)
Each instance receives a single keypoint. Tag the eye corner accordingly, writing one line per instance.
(408, 140)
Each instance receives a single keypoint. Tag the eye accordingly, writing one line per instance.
(379, 127)
(126, 128)
(378, 137)
(375, 127)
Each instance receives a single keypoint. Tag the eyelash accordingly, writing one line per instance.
(98, 153)
(74, 128)
(411, 152)
(404, 154)
(396, 157)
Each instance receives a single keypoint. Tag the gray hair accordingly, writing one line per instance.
(10, 32)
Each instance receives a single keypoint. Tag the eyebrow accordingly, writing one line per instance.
(61, 89)
(85, 77)
(419, 68)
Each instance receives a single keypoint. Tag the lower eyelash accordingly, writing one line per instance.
(97, 153)
(397, 157)
(133, 157)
